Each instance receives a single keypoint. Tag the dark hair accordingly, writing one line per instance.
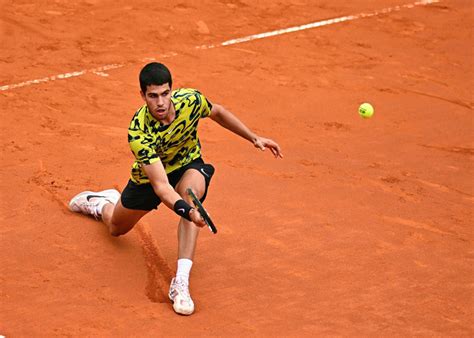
(154, 74)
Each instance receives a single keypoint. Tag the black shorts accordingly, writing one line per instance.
(143, 197)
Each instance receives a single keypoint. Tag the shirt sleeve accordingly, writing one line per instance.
(142, 147)
(206, 105)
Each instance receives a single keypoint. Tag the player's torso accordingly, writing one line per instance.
(177, 143)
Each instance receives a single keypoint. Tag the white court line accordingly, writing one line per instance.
(101, 70)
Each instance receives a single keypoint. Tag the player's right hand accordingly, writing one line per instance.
(196, 218)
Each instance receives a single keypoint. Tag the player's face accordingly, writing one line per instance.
(158, 100)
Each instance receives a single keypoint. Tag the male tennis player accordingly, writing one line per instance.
(163, 137)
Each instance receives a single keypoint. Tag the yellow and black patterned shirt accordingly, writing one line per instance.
(176, 144)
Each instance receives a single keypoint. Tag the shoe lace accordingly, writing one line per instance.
(91, 208)
(182, 287)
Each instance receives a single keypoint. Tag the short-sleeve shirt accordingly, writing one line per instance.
(176, 144)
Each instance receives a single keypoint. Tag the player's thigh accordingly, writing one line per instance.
(191, 179)
(124, 218)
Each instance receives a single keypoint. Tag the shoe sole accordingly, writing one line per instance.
(179, 312)
(183, 313)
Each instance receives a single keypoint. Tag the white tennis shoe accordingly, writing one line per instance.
(179, 295)
(91, 203)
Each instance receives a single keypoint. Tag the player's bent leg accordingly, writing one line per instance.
(119, 219)
(105, 205)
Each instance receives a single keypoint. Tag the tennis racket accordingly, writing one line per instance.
(202, 211)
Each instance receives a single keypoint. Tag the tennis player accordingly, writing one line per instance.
(164, 140)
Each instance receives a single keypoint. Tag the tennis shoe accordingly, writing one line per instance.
(179, 295)
(91, 203)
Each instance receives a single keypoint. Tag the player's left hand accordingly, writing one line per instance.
(262, 143)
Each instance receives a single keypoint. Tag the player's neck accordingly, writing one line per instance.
(170, 116)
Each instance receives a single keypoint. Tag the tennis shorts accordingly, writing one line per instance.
(143, 197)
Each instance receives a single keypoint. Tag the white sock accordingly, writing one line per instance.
(101, 205)
(184, 268)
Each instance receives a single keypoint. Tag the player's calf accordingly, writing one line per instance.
(121, 220)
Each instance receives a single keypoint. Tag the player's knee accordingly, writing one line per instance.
(117, 231)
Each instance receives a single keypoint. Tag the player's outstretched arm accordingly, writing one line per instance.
(159, 181)
(229, 121)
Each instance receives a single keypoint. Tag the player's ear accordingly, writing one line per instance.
(142, 94)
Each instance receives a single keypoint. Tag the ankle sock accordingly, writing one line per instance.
(184, 268)
(101, 205)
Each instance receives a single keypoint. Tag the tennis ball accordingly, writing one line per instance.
(366, 110)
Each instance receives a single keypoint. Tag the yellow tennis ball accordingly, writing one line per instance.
(366, 110)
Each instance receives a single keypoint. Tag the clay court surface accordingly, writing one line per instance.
(363, 229)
